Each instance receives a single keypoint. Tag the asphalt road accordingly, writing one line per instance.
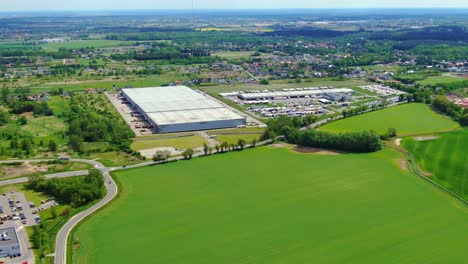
(112, 190)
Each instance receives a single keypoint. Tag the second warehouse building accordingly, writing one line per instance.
(179, 108)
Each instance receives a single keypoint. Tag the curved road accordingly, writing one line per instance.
(112, 190)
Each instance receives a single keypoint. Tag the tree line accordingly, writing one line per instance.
(445, 106)
(284, 126)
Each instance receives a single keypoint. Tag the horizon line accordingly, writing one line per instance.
(239, 9)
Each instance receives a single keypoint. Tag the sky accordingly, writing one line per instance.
(42, 5)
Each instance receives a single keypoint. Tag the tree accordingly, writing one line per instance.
(254, 143)
(264, 82)
(217, 147)
(224, 146)
(392, 132)
(14, 143)
(206, 149)
(53, 212)
(464, 120)
(22, 120)
(241, 143)
(5, 94)
(4, 118)
(26, 145)
(34, 180)
(76, 143)
(188, 153)
(52, 146)
(161, 156)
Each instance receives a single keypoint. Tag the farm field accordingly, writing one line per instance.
(432, 80)
(406, 119)
(248, 207)
(78, 44)
(445, 157)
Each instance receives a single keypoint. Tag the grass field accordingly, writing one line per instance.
(432, 80)
(407, 119)
(233, 54)
(112, 159)
(78, 44)
(178, 141)
(232, 136)
(146, 81)
(275, 206)
(446, 158)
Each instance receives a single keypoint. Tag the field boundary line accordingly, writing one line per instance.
(415, 170)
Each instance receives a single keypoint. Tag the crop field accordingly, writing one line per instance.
(432, 80)
(272, 205)
(406, 119)
(446, 158)
(78, 44)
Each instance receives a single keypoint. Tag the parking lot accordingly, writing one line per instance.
(14, 207)
(133, 118)
(16, 211)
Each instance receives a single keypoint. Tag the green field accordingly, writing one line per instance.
(407, 119)
(432, 80)
(78, 44)
(275, 206)
(136, 81)
(446, 158)
(178, 141)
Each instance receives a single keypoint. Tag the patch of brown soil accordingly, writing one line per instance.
(426, 138)
(302, 149)
(279, 145)
(403, 164)
(24, 169)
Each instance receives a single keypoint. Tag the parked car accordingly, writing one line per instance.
(24, 221)
(22, 216)
(32, 205)
(37, 219)
(16, 218)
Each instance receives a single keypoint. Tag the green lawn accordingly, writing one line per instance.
(446, 158)
(275, 206)
(232, 136)
(178, 141)
(407, 119)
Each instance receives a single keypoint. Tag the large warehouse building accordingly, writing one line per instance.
(179, 108)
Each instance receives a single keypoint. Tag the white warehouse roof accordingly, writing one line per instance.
(178, 105)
